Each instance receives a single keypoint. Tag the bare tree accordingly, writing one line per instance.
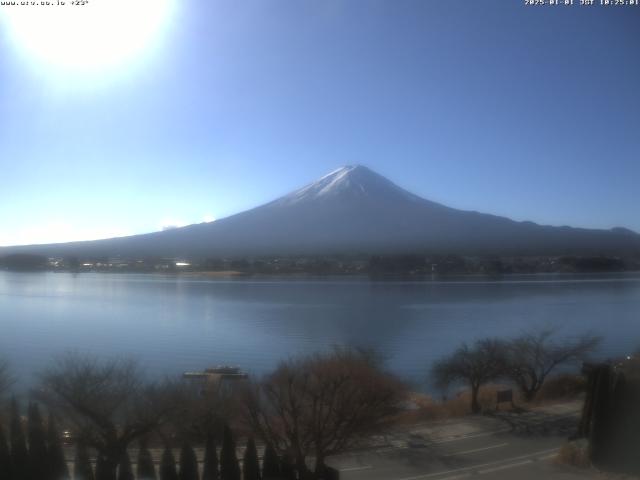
(533, 356)
(323, 404)
(202, 409)
(107, 402)
(476, 365)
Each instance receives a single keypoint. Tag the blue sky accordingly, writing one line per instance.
(528, 112)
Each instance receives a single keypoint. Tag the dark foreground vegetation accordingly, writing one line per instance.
(308, 409)
(105, 421)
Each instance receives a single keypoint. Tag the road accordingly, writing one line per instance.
(501, 446)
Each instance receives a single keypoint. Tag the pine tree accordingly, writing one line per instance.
(270, 464)
(19, 454)
(229, 468)
(211, 470)
(82, 469)
(599, 435)
(287, 470)
(103, 472)
(168, 466)
(188, 463)
(56, 461)
(125, 471)
(146, 470)
(250, 464)
(5, 457)
(38, 455)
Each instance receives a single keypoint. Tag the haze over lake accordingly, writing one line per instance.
(178, 323)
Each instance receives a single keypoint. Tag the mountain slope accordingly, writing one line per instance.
(355, 210)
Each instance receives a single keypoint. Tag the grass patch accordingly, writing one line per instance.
(562, 387)
(557, 389)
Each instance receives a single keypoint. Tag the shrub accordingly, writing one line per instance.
(37, 443)
(574, 454)
(211, 470)
(229, 468)
(82, 469)
(564, 386)
(270, 464)
(146, 469)
(168, 466)
(57, 463)
(125, 471)
(250, 465)
(19, 453)
(5, 456)
(188, 463)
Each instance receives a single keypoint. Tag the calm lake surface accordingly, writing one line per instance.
(177, 323)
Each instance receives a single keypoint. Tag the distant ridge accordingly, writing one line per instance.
(354, 210)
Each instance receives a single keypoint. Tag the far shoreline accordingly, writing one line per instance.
(391, 278)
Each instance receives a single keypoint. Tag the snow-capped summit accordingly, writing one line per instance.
(350, 181)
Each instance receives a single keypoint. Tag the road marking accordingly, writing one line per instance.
(471, 435)
(489, 464)
(549, 457)
(457, 477)
(355, 469)
(449, 440)
(504, 467)
(475, 450)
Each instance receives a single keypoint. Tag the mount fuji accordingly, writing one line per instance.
(353, 210)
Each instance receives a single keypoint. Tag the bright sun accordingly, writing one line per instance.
(92, 36)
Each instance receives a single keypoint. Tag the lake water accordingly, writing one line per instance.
(177, 323)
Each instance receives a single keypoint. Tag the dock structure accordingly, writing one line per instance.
(216, 375)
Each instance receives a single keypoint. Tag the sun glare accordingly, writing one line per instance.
(94, 35)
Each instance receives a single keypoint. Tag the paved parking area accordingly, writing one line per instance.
(503, 445)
